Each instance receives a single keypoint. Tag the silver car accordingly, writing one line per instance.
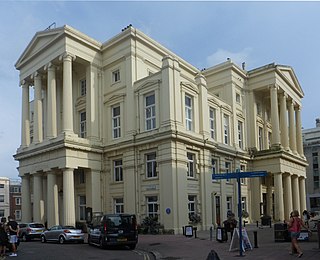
(62, 234)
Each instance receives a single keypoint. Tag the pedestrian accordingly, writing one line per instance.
(3, 240)
(295, 225)
(306, 217)
(13, 231)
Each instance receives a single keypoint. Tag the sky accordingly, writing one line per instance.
(204, 33)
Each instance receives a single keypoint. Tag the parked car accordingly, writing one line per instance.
(28, 231)
(113, 230)
(62, 234)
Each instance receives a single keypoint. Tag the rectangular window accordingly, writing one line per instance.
(227, 169)
(269, 139)
(240, 134)
(214, 166)
(17, 214)
(212, 122)
(238, 98)
(244, 203)
(116, 130)
(192, 205)
(118, 206)
(188, 108)
(191, 165)
(117, 169)
(17, 189)
(82, 207)
(83, 87)
(83, 125)
(152, 206)
(1, 198)
(260, 138)
(18, 201)
(151, 165)
(225, 129)
(1, 212)
(1, 185)
(229, 203)
(242, 169)
(115, 76)
(150, 111)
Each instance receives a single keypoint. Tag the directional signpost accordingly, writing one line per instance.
(239, 175)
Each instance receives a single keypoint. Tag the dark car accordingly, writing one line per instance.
(28, 231)
(113, 230)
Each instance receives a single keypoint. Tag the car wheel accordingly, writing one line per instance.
(43, 239)
(61, 240)
(89, 240)
(101, 244)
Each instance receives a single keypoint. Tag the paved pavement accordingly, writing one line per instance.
(178, 247)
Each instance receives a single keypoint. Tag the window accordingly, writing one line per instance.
(188, 107)
(152, 206)
(17, 214)
(16, 189)
(117, 169)
(260, 138)
(150, 111)
(151, 165)
(83, 125)
(18, 201)
(82, 207)
(242, 169)
(212, 122)
(269, 139)
(83, 87)
(238, 98)
(240, 134)
(116, 130)
(1, 212)
(227, 169)
(116, 76)
(244, 203)
(192, 204)
(1, 185)
(214, 166)
(191, 165)
(225, 129)
(229, 204)
(1, 198)
(118, 205)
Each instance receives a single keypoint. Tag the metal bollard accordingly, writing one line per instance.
(210, 233)
(270, 222)
(255, 238)
(257, 223)
(195, 232)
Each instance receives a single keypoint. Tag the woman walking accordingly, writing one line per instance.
(295, 225)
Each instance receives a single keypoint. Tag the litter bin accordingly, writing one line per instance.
(265, 220)
(281, 233)
(221, 234)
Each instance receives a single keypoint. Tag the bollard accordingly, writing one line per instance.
(257, 223)
(255, 238)
(195, 232)
(210, 233)
(183, 231)
(213, 255)
(318, 229)
(270, 223)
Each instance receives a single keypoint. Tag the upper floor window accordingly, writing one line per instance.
(152, 206)
(238, 98)
(229, 203)
(212, 122)
(1, 198)
(117, 170)
(18, 201)
(260, 138)
(240, 134)
(228, 169)
(83, 125)
(188, 108)
(151, 165)
(116, 76)
(150, 111)
(118, 205)
(244, 203)
(225, 129)
(269, 139)
(83, 87)
(17, 189)
(243, 169)
(192, 206)
(116, 130)
(1, 185)
(191, 165)
(17, 214)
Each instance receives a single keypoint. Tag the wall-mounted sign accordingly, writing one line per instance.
(168, 211)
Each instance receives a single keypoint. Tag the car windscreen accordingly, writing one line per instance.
(120, 221)
(37, 225)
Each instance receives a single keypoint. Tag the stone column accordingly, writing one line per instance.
(52, 102)
(37, 124)
(204, 112)
(292, 134)
(67, 107)
(52, 200)
(275, 116)
(38, 211)
(25, 124)
(26, 199)
(295, 193)
(284, 122)
(287, 196)
(269, 196)
(68, 198)
(299, 131)
(303, 200)
(93, 190)
(278, 192)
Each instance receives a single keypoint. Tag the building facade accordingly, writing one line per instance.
(15, 199)
(128, 126)
(4, 197)
(311, 144)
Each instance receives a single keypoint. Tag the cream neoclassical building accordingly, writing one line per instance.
(128, 126)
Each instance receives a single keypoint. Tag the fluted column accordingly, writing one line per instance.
(299, 131)
(287, 196)
(37, 124)
(52, 102)
(295, 193)
(26, 199)
(292, 129)
(52, 199)
(38, 210)
(278, 192)
(67, 120)
(275, 116)
(68, 198)
(25, 124)
(284, 122)
(303, 197)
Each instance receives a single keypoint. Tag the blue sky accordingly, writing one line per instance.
(203, 33)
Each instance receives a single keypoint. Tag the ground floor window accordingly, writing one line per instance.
(152, 206)
(82, 207)
(118, 205)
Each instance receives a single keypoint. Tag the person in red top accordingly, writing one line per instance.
(295, 225)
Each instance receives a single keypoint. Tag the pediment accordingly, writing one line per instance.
(288, 73)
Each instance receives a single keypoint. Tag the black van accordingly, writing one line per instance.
(113, 230)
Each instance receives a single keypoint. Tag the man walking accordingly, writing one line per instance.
(13, 231)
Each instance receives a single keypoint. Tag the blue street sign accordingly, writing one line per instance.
(235, 175)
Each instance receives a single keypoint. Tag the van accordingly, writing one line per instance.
(113, 230)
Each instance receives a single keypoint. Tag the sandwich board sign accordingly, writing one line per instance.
(246, 244)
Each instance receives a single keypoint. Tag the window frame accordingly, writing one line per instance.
(116, 122)
(191, 165)
(240, 134)
(151, 164)
(83, 124)
(116, 76)
(152, 206)
(188, 112)
(212, 122)
(150, 112)
(117, 170)
(83, 87)
(82, 207)
(226, 130)
(118, 205)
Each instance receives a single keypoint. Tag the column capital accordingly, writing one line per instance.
(67, 56)
(274, 86)
(50, 66)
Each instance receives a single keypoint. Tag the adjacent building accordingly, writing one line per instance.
(15, 199)
(129, 126)
(4, 197)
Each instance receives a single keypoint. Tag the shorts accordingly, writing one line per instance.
(13, 239)
(294, 234)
